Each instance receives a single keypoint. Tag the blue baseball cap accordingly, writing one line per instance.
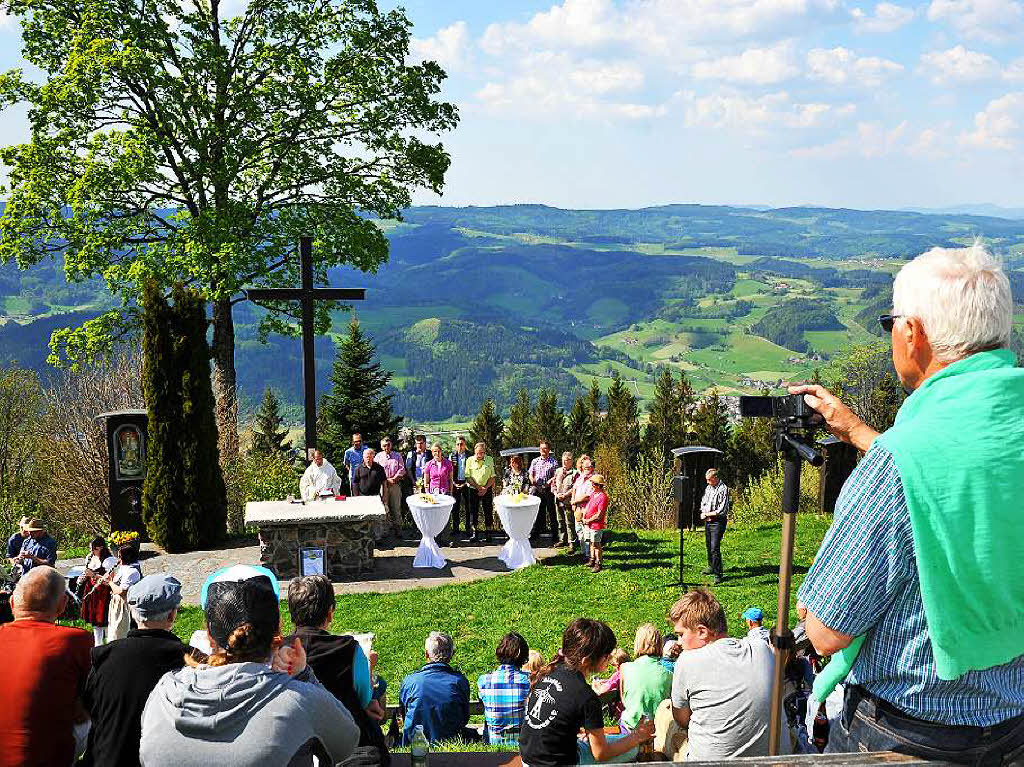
(238, 573)
(753, 614)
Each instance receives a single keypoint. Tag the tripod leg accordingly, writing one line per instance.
(782, 638)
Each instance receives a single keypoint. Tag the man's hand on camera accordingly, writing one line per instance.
(841, 421)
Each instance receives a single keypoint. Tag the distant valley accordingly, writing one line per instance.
(479, 302)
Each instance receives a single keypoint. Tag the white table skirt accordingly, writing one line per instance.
(517, 519)
(430, 518)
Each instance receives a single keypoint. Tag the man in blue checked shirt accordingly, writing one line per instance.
(922, 560)
(503, 692)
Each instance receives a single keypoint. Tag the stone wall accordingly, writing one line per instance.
(348, 546)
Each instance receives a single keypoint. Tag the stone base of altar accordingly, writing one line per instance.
(345, 530)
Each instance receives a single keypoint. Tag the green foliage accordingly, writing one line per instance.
(184, 499)
(358, 400)
(760, 501)
(641, 495)
(488, 428)
(621, 426)
(711, 425)
(668, 415)
(549, 421)
(785, 324)
(267, 477)
(751, 450)
(519, 428)
(865, 380)
(23, 477)
(580, 432)
(268, 435)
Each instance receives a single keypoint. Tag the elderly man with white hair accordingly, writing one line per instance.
(714, 510)
(436, 696)
(920, 580)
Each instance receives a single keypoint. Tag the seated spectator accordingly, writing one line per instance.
(611, 684)
(124, 673)
(47, 666)
(436, 696)
(121, 579)
(753, 617)
(561, 703)
(255, 703)
(337, 660)
(722, 687)
(670, 652)
(645, 682)
(534, 663)
(503, 692)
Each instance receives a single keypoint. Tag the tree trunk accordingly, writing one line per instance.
(224, 381)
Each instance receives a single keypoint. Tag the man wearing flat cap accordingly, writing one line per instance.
(124, 672)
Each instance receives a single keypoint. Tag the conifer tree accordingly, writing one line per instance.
(519, 428)
(268, 435)
(685, 401)
(664, 424)
(487, 428)
(711, 423)
(358, 400)
(622, 424)
(596, 409)
(184, 502)
(580, 434)
(549, 420)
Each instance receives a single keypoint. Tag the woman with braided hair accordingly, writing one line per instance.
(255, 701)
(561, 703)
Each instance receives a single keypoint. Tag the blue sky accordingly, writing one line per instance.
(626, 103)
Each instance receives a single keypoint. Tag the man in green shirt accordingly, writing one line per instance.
(480, 477)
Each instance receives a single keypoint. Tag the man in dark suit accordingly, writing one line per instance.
(460, 488)
(368, 478)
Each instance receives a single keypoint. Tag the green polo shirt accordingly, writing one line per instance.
(480, 471)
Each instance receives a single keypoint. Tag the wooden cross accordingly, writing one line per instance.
(307, 296)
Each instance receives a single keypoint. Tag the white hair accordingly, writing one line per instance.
(710, 473)
(962, 298)
(153, 618)
(440, 647)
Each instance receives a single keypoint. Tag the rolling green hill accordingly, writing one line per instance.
(478, 302)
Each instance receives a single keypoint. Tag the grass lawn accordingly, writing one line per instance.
(638, 585)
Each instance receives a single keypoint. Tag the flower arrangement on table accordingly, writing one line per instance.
(122, 537)
(427, 498)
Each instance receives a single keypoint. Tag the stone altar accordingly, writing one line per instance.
(345, 530)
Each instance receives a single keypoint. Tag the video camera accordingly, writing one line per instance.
(789, 410)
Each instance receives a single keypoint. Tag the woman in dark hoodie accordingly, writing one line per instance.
(255, 702)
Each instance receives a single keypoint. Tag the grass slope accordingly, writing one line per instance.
(639, 584)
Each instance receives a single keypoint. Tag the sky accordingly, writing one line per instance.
(630, 103)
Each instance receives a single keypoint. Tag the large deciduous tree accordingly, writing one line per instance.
(175, 141)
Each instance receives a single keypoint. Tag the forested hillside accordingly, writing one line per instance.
(478, 302)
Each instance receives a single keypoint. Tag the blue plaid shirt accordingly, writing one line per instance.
(864, 580)
(503, 693)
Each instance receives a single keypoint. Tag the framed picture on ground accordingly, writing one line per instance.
(312, 562)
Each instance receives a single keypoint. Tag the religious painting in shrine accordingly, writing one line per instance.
(129, 452)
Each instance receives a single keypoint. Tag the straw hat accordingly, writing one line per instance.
(34, 525)
(597, 479)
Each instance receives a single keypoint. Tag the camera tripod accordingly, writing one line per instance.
(795, 444)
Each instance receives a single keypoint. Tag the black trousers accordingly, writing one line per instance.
(546, 519)
(476, 501)
(714, 529)
(462, 505)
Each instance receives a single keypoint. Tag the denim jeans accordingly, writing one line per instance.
(714, 529)
(867, 725)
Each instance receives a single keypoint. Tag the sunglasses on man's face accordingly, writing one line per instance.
(888, 320)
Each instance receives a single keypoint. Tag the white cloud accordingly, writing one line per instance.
(1014, 71)
(659, 27)
(870, 140)
(958, 64)
(888, 17)
(743, 113)
(554, 83)
(1000, 126)
(992, 20)
(757, 66)
(841, 66)
(933, 143)
(449, 47)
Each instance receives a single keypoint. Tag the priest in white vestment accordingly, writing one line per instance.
(319, 479)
